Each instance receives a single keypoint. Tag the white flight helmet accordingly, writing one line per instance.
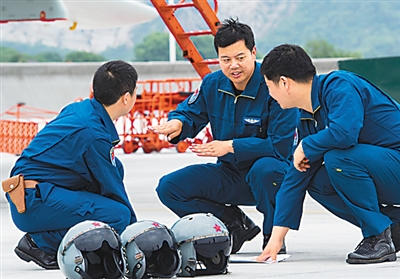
(91, 250)
(136, 261)
(158, 243)
(205, 244)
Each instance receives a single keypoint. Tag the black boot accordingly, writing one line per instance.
(28, 251)
(395, 230)
(240, 226)
(374, 249)
(265, 242)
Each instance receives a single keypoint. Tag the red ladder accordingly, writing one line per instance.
(182, 37)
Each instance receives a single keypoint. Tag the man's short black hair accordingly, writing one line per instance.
(232, 31)
(112, 80)
(290, 61)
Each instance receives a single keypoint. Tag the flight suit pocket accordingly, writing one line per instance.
(85, 207)
(253, 127)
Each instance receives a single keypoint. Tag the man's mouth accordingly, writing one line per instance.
(236, 74)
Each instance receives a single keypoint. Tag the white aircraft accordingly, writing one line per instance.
(77, 14)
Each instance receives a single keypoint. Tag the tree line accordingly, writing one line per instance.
(155, 47)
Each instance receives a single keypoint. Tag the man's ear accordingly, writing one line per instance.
(254, 51)
(125, 98)
(285, 82)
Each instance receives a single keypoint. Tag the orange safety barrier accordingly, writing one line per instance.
(15, 136)
(155, 99)
(16, 133)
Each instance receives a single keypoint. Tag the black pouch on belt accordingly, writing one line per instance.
(15, 187)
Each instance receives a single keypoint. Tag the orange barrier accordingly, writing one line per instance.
(15, 136)
(16, 133)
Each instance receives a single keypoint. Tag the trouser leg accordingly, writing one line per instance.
(208, 188)
(265, 178)
(204, 188)
(365, 177)
(321, 190)
(48, 218)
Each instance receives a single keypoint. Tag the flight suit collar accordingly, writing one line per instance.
(315, 102)
(106, 119)
(252, 86)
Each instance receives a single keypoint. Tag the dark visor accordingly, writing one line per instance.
(153, 240)
(93, 240)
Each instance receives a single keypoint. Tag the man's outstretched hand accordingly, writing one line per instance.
(171, 129)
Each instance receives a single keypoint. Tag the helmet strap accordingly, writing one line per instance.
(82, 273)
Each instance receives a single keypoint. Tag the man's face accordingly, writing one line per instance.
(237, 63)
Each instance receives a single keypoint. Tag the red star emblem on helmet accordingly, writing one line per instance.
(96, 224)
(155, 224)
(217, 228)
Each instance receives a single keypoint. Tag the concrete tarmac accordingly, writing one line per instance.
(318, 250)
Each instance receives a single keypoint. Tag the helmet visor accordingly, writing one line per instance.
(210, 246)
(93, 240)
(153, 240)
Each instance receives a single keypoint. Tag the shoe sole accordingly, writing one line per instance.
(26, 257)
(390, 258)
(256, 230)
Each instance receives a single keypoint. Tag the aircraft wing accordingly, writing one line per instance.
(78, 14)
(32, 10)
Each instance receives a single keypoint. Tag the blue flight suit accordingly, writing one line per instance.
(262, 135)
(80, 179)
(353, 143)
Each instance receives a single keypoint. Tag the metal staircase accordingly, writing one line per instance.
(182, 37)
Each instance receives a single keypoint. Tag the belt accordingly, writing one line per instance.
(31, 183)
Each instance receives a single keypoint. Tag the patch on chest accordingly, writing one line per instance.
(252, 121)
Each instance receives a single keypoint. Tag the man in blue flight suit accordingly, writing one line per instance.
(69, 169)
(252, 139)
(348, 157)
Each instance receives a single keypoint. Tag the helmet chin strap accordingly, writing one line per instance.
(117, 263)
(82, 273)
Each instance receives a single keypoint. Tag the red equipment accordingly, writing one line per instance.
(155, 99)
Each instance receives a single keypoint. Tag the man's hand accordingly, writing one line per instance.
(215, 148)
(300, 161)
(274, 244)
(171, 129)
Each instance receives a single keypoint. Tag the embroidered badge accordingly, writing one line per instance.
(295, 137)
(252, 121)
(194, 96)
(112, 157)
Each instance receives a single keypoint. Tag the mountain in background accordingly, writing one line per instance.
(371, 28)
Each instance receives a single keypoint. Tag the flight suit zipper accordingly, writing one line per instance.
(236, 98)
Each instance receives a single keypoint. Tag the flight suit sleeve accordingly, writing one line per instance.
(279, 139)
(192, 113)
(99, 160)
(290, 197)
(345, 120)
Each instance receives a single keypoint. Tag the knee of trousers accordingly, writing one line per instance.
(121, 216)
(165, 190)
(334, 159)
(266, 177)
